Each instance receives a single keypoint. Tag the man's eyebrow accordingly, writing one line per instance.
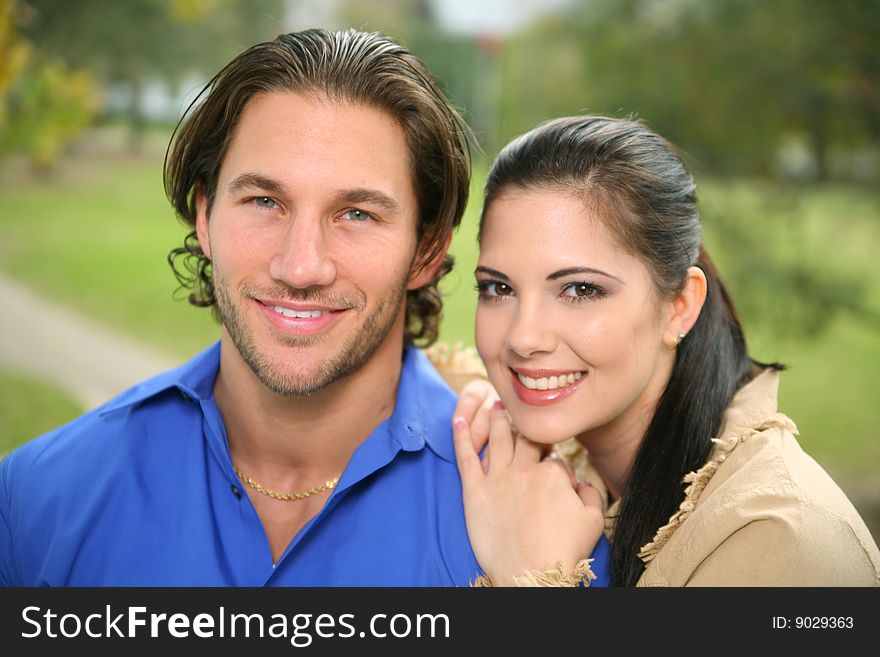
(355, 195)
(363, 195)
(491, 272)
(580, 270)
(255, 181)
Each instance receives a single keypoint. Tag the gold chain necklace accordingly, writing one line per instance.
(285, 497)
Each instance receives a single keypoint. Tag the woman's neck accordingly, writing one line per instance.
(613, 447)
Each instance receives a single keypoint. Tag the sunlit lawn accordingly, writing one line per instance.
(29, 407)
(96, 239)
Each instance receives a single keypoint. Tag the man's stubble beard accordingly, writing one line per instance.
(352, 355)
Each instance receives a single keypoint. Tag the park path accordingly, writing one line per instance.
(49, 341)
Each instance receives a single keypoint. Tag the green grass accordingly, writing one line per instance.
(830, 391)
(829, 388)
(96, 239)
(459, 305)
(29, 408)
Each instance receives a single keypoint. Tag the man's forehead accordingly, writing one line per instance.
(308, 110)
(284, 137)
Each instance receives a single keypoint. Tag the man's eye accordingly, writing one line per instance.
(265, 202)
(355, 214)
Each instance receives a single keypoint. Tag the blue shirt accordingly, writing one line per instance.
(142, 492)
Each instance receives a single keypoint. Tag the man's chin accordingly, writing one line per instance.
(293, 383)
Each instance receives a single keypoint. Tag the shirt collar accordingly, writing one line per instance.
(753, 402)
(422, 412)
(423, 409)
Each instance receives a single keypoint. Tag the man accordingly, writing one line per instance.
(323, 174)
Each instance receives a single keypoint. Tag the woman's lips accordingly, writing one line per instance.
(530, 391)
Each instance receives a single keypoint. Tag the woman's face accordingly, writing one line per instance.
(569, 324)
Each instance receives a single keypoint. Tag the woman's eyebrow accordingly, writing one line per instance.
(568, 271)
(491, 272)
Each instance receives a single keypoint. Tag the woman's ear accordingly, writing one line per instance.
(686, 307)
(422, 272)
(202, 223)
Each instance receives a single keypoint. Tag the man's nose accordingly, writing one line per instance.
(304, 258)
(531, 331)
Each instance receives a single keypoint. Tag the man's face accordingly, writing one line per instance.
(312, 237)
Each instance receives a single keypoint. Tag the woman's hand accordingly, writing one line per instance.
(475, 405)
(523, 512)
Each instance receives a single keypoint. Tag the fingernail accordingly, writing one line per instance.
(499, 404)
(459, 422)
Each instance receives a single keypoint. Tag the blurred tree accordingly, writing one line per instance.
(784, 67)
(543, 76)
(728, 80)
(462, 64)
(133, 41)
(14, 54)
(43, 104)
(50, 106)
(784, 277)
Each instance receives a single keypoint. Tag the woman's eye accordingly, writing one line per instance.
(355, 214)
(582, 291)
(494, 289)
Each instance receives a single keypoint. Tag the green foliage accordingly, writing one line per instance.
(129, 41)
(29, 408)
(48, 107)
(727, 80)
(134, 42)
(781, 248)
(14, 54)
(43, 104)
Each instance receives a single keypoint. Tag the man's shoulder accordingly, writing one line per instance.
(153, 407)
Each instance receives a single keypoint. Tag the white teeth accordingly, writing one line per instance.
(300, 314)
(551, 383)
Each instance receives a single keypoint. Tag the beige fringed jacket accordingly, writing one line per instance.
(760, 512)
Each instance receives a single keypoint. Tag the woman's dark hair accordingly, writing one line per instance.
(357, 67)
(637, 183)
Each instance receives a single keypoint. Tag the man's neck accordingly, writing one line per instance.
(294, 443)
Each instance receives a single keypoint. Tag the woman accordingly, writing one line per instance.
(600, 316)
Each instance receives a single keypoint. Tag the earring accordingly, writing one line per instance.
(679, 338)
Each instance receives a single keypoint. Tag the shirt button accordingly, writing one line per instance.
(235, 491)
(185, 396)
